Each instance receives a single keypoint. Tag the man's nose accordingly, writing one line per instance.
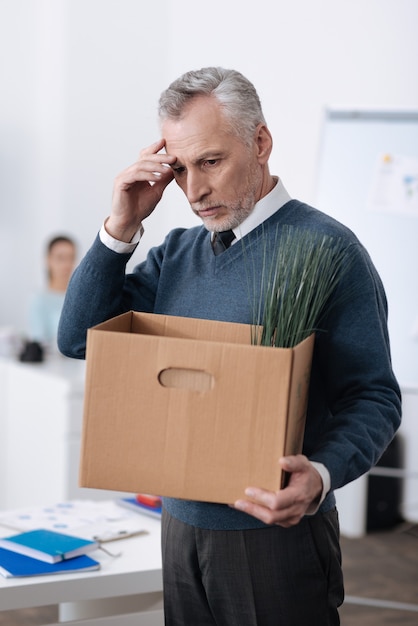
(196, 187)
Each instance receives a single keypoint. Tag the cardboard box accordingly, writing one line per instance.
(189, 408)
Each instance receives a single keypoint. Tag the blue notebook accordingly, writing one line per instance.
(13, 564)
(48, 545)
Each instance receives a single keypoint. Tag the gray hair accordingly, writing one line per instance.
(235, 93)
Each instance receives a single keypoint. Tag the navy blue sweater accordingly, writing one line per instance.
(354, 400)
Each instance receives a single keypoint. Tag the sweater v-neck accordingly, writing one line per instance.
(244, 244)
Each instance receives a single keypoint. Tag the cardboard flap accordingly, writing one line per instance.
(190, 328)
(298, 393)
(178, 327)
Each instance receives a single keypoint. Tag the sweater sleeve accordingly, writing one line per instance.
(98, 290)
(353, 387)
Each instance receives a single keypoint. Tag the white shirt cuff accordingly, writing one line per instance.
(326, 486)
(120, 246)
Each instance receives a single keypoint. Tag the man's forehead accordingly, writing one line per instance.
(196, 146)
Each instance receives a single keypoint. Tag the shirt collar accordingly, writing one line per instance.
(263, 209)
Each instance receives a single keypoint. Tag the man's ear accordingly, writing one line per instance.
(264, 143)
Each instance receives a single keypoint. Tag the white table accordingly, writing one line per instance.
(41, 411)
(126, 590)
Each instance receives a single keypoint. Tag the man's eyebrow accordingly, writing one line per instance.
(206, 156)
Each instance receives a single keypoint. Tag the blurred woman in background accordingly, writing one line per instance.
(46, 306)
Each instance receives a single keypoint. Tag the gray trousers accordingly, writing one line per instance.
(265, 577)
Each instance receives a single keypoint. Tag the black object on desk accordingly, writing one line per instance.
(32, 352)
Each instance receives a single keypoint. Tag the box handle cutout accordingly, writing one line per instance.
(182, 378)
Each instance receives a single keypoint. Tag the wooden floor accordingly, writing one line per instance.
(382, 568)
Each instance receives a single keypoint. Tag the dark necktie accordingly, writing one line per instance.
(222, 241)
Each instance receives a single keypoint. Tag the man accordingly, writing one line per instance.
(271, 558)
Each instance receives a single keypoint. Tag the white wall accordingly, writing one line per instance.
(80, 81)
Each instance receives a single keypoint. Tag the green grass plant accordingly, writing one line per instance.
(301, 270)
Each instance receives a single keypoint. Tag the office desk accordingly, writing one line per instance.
(41, 410)
(130, 584)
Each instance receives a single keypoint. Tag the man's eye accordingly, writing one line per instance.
(210, 162)
(179, 170)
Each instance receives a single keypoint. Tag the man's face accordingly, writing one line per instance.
(219, 174)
